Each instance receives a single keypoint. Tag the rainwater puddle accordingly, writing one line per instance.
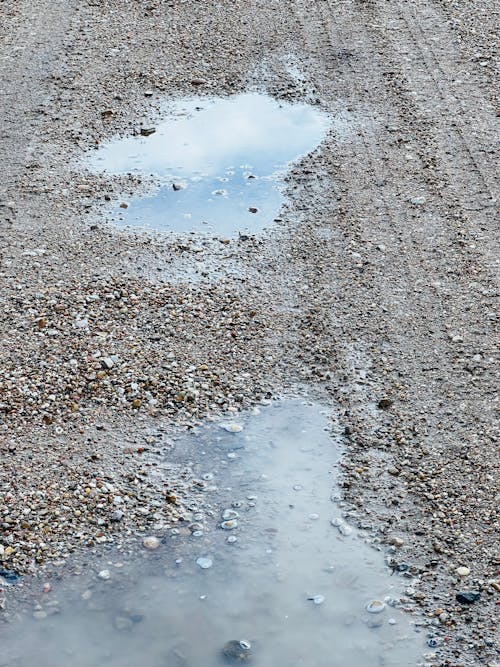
(220, 163)
(284, 579)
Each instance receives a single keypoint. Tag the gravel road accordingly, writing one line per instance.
(377, 290)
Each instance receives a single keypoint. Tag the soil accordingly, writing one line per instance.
(377, 289)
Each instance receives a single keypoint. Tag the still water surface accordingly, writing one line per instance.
(279, 474)
(220, 162)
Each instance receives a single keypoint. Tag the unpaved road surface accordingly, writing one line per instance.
(377, 291)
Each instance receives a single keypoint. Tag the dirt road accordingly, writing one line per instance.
(377, 290)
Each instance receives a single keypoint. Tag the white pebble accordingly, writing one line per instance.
(151, 542)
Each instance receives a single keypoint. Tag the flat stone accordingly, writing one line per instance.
(468, 597)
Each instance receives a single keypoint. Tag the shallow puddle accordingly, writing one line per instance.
(220, 162)
(284, 581)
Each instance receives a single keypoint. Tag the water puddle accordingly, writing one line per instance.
(219, 163)
(266, 578)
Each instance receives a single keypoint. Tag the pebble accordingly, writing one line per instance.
(232, 539)
(237, 650)
(468, 597)
(104, 575)
(375, 606)
(232, 427)
(343, 528)
(462, 571)
(317, 599)
(9, 577)
(151, 542)
(229, 525)
(229, 514)
(204, 563)
(313, 516)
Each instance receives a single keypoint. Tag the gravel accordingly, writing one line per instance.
(376, 289)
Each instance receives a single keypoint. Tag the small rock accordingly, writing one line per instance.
(232, 427)
(151, 542)
(468, 597)
(177, 187)
(317, 599)
(375, 606)
(9, 577)
(462, 571)
(204, 563)
(385, 403)
(237, 651)
(104, 575)
(229, 525)
(147, 131)
(396, 542)
(229, 514)
(123, 204)
(418, 201)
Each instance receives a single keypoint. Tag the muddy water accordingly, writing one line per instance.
(219, 162)
(265, 578)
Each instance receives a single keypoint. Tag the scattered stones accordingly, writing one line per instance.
(342, 526)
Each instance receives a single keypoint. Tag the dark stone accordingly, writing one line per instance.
(468, 597)
(9, 576)
(385, 403)
(147, 131)
(237, 651)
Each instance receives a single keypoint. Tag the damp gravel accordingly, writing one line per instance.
(284, 587)
(218, 163)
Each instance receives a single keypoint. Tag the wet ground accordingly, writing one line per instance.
(278, 566)
(218, 163)
(377, 289)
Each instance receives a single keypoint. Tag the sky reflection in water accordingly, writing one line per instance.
(229, 155)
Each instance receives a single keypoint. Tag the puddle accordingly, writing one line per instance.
(180, 604)
(220, 163)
